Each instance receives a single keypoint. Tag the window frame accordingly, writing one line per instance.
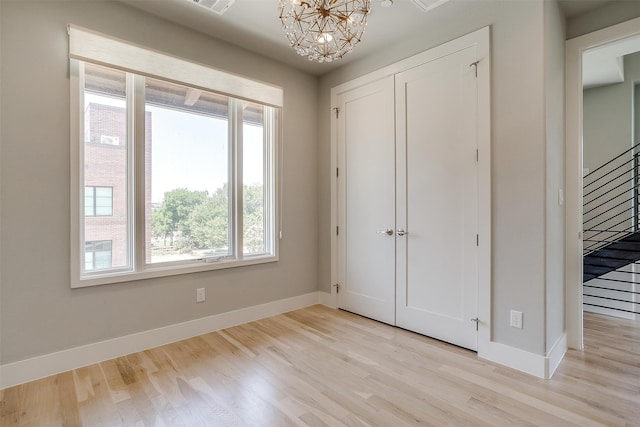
(138, 268)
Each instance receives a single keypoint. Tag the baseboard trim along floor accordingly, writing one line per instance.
(54, 363)
(50, 364)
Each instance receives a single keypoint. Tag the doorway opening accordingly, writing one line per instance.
(601, 176)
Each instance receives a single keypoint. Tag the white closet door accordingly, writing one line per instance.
(437, 199)
(367, 201)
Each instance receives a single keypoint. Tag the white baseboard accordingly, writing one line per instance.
(515, 358)
(50, 364)
(327, 299)
(555, 355)
(521, 360)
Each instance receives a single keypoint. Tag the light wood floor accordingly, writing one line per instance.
(319, 366)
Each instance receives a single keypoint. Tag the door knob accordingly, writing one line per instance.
(388, 232)
(401, 232)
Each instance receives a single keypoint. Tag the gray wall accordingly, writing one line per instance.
(40, 313)
(519, 153)
(610, 14)
(608, 116)
(636, 112)
(608, 128)
(554, 118)
(632, 78)
(606, 123)
(1, 233)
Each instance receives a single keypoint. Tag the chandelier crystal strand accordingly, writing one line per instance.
(324, 30)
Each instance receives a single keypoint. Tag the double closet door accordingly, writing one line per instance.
(408, 199)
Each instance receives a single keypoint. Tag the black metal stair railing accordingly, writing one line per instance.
(611, 201)
(611, 236)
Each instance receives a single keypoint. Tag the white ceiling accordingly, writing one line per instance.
(254, 25)
(604, 65)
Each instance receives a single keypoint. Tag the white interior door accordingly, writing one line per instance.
(366, 246)
(437, 199)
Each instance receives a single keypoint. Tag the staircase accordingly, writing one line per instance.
(611, 257)
(611, 251)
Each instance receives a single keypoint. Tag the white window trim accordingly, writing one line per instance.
(138, 269)
(89, 46)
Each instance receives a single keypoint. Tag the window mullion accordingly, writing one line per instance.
(94, 201)
(136, 132)
(268, 189)
(94, 197)
(236, 121)
(77, 179)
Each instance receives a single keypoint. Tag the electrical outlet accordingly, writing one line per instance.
(200, 295)
(516, 319)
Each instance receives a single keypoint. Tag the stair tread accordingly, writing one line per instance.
(625, 246)
(606, 262)
(634, 237)
(627, 256)
(594, 269)
(611, 257)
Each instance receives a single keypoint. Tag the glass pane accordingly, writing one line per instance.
(253, 179)
(102, 260)
(88, 201)
(97, 255)
(88, 260)
(186, 173)
(104, 201)
(106, 166)
(103, 192)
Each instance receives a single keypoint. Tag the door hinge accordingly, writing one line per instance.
(477, 240)
(337, 286)
(337, 230)
(337, 110)
(337, 172)
(475, 66)
(477, 156)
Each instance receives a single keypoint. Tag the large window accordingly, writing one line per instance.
(186, 177)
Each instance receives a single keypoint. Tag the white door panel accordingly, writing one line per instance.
(407, 161)
(437, 199)
(367, 193)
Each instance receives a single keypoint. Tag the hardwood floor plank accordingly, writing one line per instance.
(324, 367)
(39, 403)
(99, 406)
(69, 411)
(9, 407)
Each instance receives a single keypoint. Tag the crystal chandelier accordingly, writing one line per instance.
(324, 30)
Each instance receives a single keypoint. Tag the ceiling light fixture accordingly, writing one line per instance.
(324, 30)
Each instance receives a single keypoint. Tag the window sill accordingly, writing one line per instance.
(152, 272)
